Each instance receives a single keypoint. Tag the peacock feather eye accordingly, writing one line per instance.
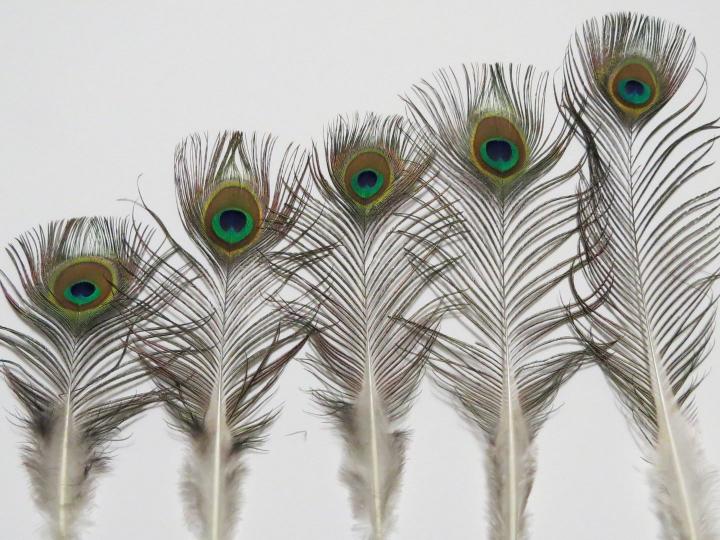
(232, 225)
(367, 182)
(633, 87)
(82, 292)
(232, 217)
(498, 149)
(368, 177)
(83, 284)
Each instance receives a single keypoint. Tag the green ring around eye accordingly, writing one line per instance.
(633, 91)
(367, 183)
(232, 225)
(500, 154)
(82, 292)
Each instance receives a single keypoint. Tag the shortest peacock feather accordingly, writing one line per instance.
(79, 281)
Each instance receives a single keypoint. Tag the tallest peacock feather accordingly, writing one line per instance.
(652, 235)
(80, 280)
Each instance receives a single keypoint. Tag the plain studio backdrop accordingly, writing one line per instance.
(94, 96)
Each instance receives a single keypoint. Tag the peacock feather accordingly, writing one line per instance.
(500, 160)
(222, 342)
(377, 232)
(652, 239)
(79, 284)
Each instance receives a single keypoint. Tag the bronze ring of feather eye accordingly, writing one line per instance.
(368, 177)
(232, 218)
(84, 284)
(497, 148)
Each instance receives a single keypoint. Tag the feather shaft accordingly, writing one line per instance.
(370, 475)
(507, 440)
(668, 444)
(373, 411)
(511, 445)
(63, 481)
(216, 410)
(377, 499)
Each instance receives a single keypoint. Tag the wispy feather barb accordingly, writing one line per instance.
(652, 241)
(79, 284)
(498, 158)
(221, 344)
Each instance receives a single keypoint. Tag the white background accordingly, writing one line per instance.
(95, 95)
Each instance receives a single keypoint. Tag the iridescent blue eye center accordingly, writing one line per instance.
(83, 289)
(233, 220)
(232, 225)
(82, 293)
(367, 179)
(500, 154)
(367, 183)
(634, 92)
(499, 150)
(634, 88)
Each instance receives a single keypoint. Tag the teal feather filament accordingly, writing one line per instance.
(232, 225)
(367, 182)
(500, 154)
(82, 292)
